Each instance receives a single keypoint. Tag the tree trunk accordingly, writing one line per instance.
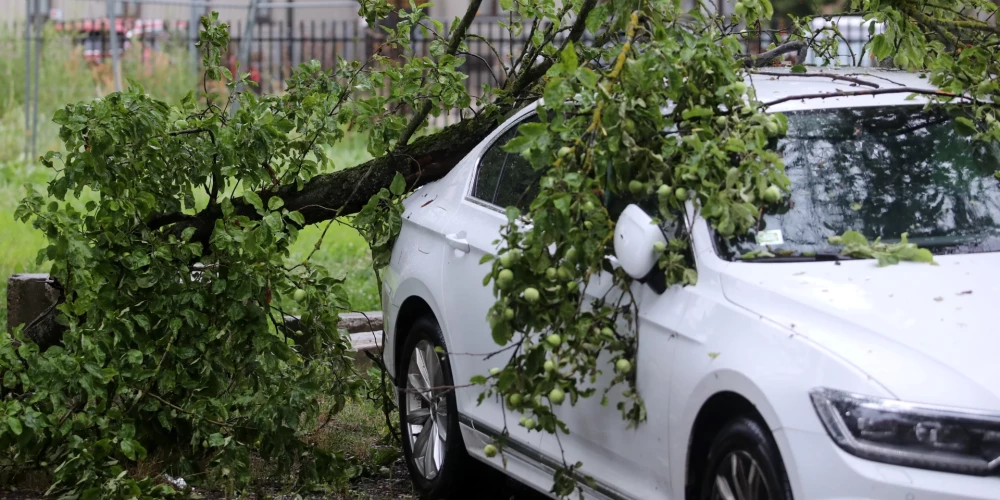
(345, 192)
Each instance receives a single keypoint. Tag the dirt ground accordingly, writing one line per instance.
(395, 486)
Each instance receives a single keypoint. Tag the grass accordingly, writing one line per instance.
(19, 242)
(65, 76)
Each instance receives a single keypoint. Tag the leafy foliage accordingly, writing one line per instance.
(857, 246)
(176, 347)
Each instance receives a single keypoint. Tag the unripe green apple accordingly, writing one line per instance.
(557, 396)
(623, 366)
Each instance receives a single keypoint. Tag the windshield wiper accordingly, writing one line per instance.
(803, 257)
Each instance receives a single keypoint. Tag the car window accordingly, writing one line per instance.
(506, 179)
(518, 183)
(882, 171)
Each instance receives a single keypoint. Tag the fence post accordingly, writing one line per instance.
(113, 33)
(193, 37)
(29, 10)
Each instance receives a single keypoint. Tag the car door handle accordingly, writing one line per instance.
(458, 242)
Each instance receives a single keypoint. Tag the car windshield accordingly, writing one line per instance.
(881, 171)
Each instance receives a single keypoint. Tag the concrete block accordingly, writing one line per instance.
(31, 301)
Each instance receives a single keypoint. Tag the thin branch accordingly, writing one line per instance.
(768, 57)
(182, 410)
(532, 74)
(524, 48)
(900, 90)
(481, 58)
(160, 220)
(188, 131)
(495, 53)
(857, 81)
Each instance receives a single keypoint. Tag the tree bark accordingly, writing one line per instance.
(345, 192)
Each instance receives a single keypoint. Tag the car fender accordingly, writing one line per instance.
(406, 289)
(764, 363)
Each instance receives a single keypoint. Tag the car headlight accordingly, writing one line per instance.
(912, 435)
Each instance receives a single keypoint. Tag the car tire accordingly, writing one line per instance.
(742, 446)
(432, 440)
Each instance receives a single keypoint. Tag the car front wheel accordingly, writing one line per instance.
(744, 463)
(432, 440)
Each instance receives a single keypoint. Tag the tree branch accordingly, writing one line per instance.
(856, 81)
(898, 90)
(161, 220)
(453, 44)
(770, 56)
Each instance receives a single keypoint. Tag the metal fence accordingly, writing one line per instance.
(276, 48)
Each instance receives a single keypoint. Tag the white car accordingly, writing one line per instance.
(808, 376)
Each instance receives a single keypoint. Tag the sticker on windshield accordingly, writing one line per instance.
(771, 237)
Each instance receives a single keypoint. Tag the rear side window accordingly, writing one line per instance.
(506, 179)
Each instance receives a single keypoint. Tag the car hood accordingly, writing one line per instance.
(927, 334)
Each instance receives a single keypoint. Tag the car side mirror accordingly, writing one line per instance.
(635, 237)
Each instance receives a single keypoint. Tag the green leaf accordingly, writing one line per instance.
(854, 238)
(587, 77)
(275, 203)
(15, 425)
(965, 126)
(252, 198)
(132, 449)
(297, 217)
(216, 439)
(134, 357)
(799, 68)
(568, 58)
(398, 185)
(696, 112)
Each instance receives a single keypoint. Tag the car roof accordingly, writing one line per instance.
(771, 84)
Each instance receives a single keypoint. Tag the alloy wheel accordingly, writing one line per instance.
(426, 409)
(740, 477)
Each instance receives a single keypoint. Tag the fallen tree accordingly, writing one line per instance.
(198, 365)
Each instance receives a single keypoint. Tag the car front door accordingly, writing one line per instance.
(628, 461)
(497, 180)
